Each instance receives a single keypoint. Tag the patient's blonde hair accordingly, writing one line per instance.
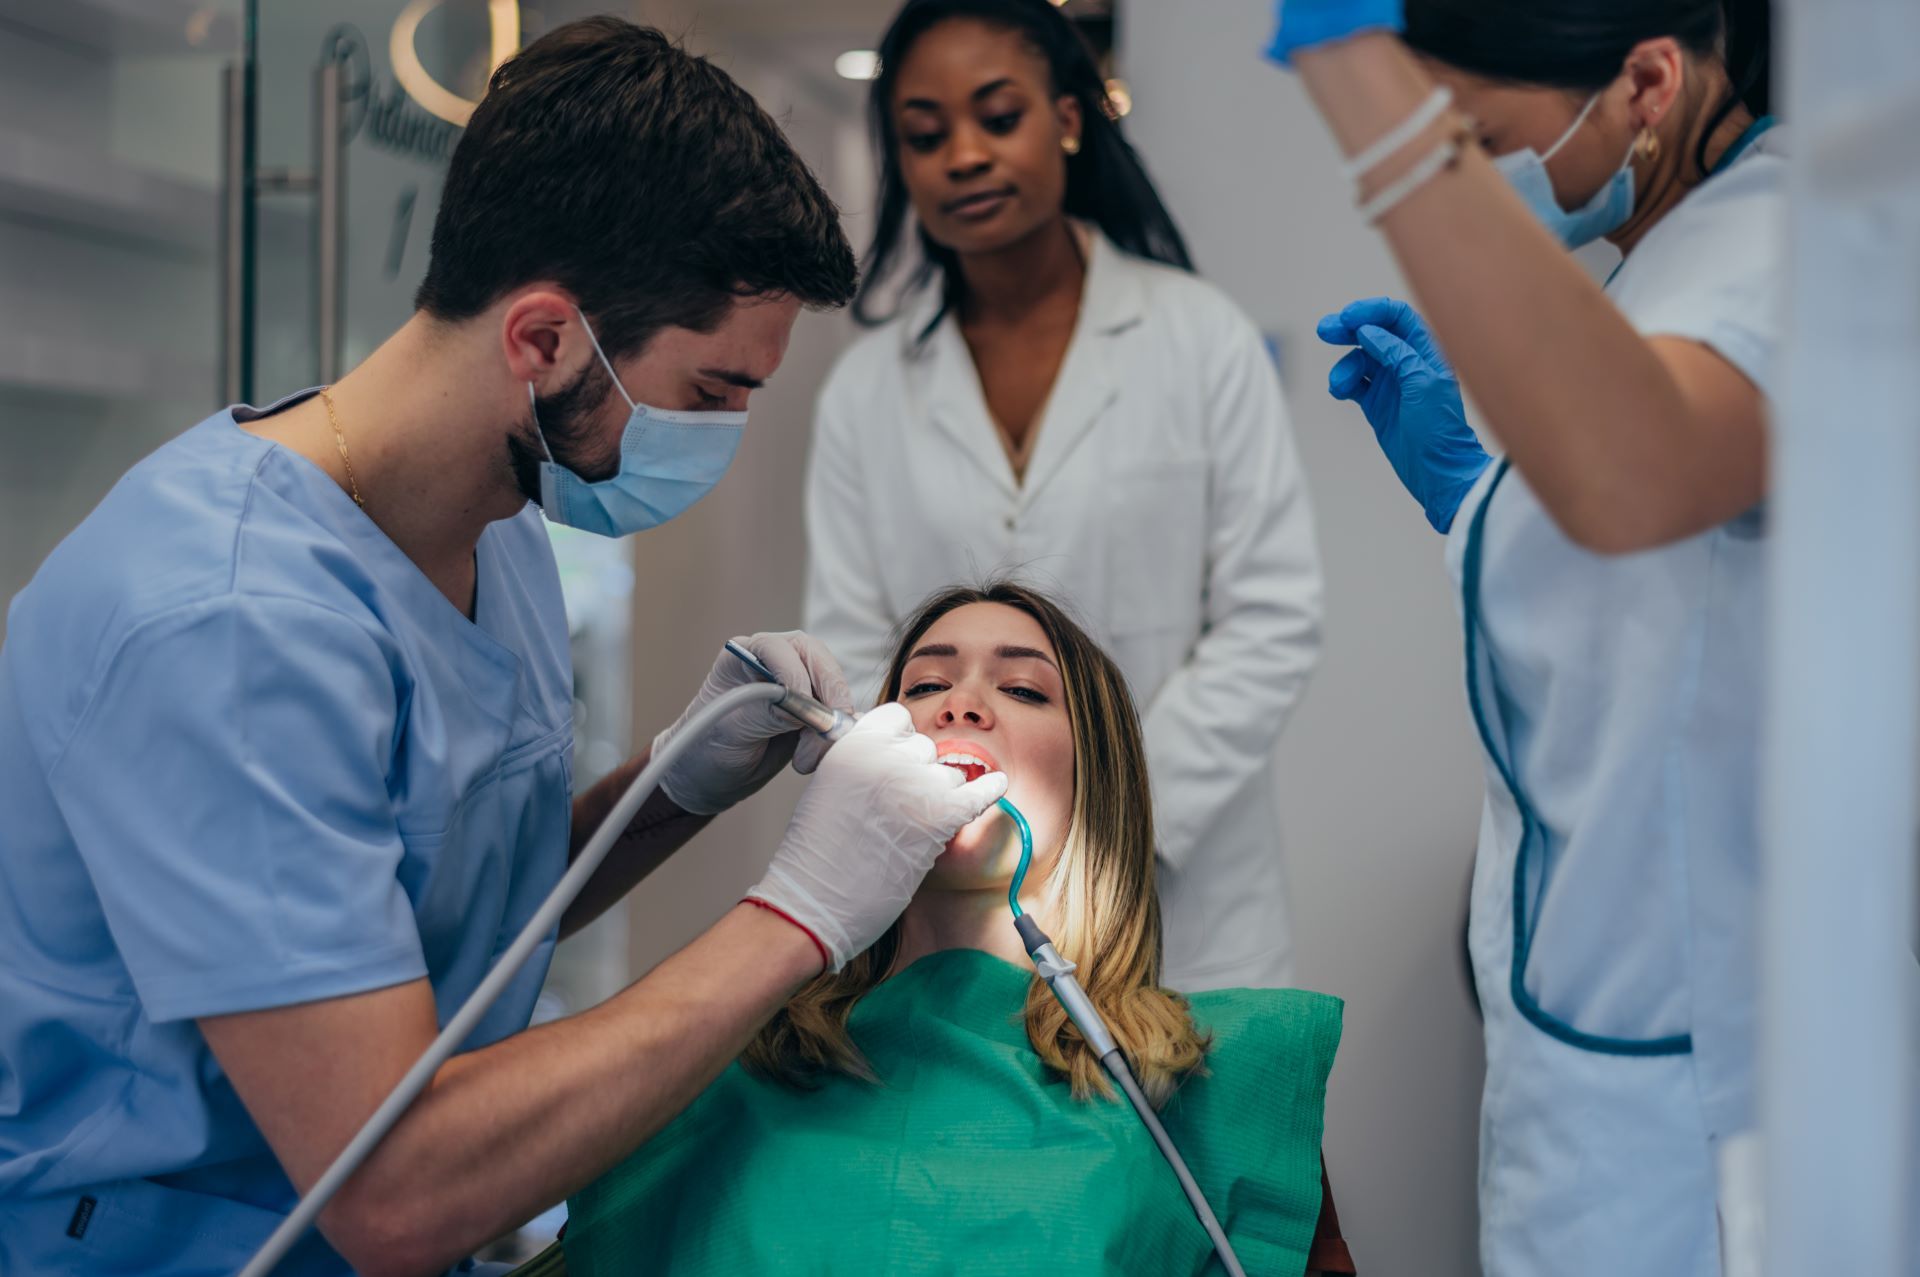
(1108, 904)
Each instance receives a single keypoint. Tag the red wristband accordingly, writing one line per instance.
(826, 959)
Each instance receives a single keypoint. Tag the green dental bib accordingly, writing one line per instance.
(969, 1157)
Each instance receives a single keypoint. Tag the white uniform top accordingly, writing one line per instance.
(1164, 504)
(1615, 899)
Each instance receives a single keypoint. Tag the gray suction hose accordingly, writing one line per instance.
(482, 998)
(1058, 973)
(1123, 1074)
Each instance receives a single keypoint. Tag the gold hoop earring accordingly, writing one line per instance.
(1071, 145)
(1648, 145)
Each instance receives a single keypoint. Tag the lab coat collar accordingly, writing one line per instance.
(1113, 299)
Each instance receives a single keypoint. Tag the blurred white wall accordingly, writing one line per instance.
(1380, 774)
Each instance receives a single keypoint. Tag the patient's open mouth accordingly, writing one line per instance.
(967, 758)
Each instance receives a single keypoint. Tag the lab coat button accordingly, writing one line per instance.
(1011, 523)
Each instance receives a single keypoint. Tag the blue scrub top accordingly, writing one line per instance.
(249, 756)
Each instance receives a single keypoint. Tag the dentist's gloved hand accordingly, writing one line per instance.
(1411, 398)
(1302, 24)
(748, 747)
(878, 814)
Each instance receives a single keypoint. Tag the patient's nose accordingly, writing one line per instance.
(963, 706)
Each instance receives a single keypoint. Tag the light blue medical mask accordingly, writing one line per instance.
(1606, 212)
(668, 461)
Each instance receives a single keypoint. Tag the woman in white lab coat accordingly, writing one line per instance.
(1056, 394)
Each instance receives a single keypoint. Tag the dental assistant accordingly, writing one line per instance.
(1610, 565)
(1059, 397)
(286, 728)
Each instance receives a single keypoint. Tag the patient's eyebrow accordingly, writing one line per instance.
(1012, 653)
(1006, 652)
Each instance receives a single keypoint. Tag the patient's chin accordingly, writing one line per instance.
(974, 852)
(982, 853)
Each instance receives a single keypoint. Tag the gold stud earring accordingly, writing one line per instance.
(1648, 145)
(1071, 145)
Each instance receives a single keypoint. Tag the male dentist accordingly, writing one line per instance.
(285, 725)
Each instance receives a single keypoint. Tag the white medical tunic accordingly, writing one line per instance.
(1614, 898)
(249, 756)
(1164, 505)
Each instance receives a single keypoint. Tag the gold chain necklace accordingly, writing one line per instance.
(340, 442)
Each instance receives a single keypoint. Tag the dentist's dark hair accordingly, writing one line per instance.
(1581, 44)
(1106, 182)
(641, 178)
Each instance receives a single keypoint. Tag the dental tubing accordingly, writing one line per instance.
(1026, 856)
(1058, 973)
(544, 920)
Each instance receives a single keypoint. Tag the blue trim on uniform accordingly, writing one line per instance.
(1741, 143)
(1532, 832)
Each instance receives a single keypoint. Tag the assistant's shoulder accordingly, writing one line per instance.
(1734, 223)
(1751, 194)
(1714, 269)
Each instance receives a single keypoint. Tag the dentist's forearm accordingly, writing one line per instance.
(506, 1132)
(659, 830)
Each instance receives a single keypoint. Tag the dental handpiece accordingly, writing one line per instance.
(803, 709)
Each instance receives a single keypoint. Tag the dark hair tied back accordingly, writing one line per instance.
(1106, 182)
(1581, 44)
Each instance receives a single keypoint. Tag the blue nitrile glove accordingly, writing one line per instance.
(1411, 398)
(1301, 24)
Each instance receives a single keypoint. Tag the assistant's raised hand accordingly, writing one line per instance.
(1305, 24)
(1411, 398)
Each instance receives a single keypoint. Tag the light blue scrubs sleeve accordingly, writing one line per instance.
(227, 788)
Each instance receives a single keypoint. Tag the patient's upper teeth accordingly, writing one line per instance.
(962, 760)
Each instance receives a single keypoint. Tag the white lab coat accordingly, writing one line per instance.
(1163, 502)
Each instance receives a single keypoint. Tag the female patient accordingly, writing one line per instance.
(930, 1108)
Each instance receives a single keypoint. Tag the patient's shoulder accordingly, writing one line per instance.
(1265, 1039)
(1269, 1015)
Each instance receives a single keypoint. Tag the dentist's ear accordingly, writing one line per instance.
(542, 338)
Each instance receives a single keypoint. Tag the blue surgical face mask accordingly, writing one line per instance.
(1605, 213)
(668, 461)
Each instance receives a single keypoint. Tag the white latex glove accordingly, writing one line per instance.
(748, 747)
(875, 818)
